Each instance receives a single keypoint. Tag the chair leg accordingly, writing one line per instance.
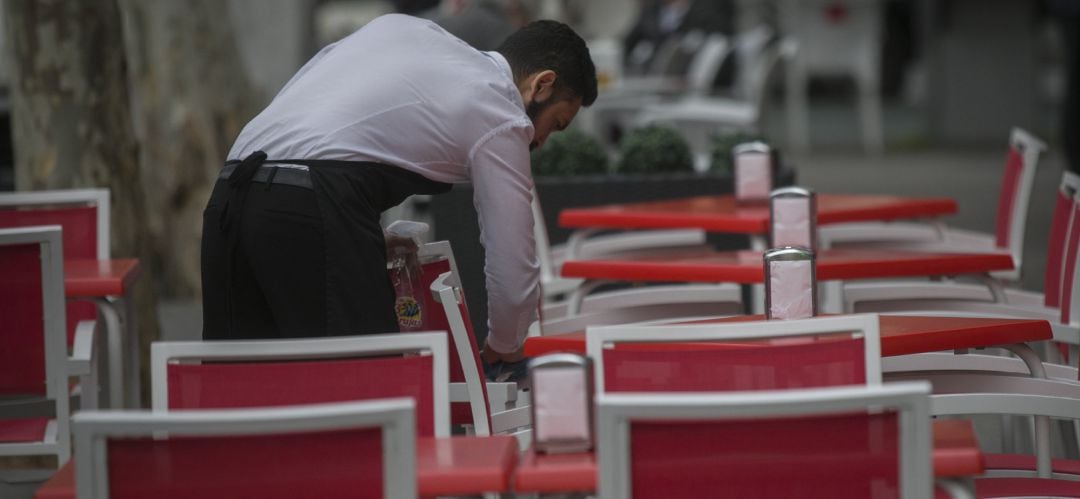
(870, 116)
(114, 356)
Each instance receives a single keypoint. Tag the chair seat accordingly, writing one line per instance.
(1027, 462)
(23, 430)
(1025, 487)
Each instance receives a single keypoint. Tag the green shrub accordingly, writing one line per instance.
(571, 152)
(721, 151)
(655, 149)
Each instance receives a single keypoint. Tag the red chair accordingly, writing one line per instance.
(84, 216)
(1013, 201)
(354, 449)
(737, 356)
(235, 374)
(838, 442)
(34, 361)
(473, 400)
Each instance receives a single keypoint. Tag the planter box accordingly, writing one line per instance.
(455, 217)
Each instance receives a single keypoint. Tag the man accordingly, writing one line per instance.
(292, 245)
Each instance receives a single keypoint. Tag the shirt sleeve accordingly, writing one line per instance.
(502, 195)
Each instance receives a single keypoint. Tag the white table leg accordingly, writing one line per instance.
(114, 354)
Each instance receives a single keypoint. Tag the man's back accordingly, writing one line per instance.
(400, 91)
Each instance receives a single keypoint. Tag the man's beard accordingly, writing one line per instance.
(532, 110)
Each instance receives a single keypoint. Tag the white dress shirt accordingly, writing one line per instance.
(404, 92)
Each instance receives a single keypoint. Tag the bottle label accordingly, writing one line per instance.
(408, 312)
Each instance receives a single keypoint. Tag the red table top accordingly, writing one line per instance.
(956, 454)
(444, 466)
(99, 278)
(900, 334)
(724, 214)
(746, 266)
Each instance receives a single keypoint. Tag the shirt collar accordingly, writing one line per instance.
(504, 66)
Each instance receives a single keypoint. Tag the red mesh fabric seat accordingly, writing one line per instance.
(1025, 487)
(330, 464)
(1010, 183)
(767, 458)
(737, 356)
(276, 373)
(34, 362)
(357, 449)
(267, 383)
(80, 236)
(733, 367)
(836, 442)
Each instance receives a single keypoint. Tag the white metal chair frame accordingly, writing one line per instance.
(500, 395)
(865, 326)
(617, 411)
(582, 244)
(1054, 401)
(503, 419)
(58, 365)
(114, 310)
(427, 343)
(395, 416)
(937, 235)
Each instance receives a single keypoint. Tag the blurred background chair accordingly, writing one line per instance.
(836, 38)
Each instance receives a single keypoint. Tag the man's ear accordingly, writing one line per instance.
(542, 86)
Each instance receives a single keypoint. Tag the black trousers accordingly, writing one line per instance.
(285, 261)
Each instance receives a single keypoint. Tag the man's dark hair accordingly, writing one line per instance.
(543, 45)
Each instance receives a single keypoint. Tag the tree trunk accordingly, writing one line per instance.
(71, 121)
(191, 99)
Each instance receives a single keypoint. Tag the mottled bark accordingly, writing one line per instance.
(191, 99)
(71, 120)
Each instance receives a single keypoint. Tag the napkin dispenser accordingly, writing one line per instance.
(793, 218)
(790, 283)
(562, 403)
(753, 171)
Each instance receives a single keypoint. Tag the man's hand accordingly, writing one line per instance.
(490, 356)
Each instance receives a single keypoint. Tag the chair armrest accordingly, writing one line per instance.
(81, 360)
(625, 241)
(497, 392)
(510, 419)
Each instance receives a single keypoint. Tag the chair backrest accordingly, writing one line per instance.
(364, 448)
(84, 216)
(737, 356)
(83, 213)
(447, 291)
(1070, 278)
(706, 64)
(836, 37)
(261, 373)
(1014, 197)
(842, 442)
(1061, 226)
(34, 353)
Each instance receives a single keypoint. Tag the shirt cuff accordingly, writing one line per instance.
(500, 346)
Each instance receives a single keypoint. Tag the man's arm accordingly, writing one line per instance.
(502, 186)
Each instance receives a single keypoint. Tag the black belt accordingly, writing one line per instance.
(274, 174)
